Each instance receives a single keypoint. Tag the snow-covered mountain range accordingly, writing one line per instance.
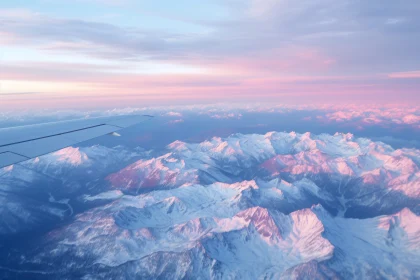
(272, 206)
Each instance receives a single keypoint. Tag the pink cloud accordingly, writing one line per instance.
(283, 62)
(174, 114)
(372, 115)
(75, 84)
(405, 75)
(8, 38)
(411, 119)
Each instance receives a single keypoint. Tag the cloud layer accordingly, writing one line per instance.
(282, 50)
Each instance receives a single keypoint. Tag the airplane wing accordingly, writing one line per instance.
(25, 142)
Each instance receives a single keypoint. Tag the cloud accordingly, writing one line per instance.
(394, 118)
(18, 93)
(225, 115)
(255, 28)
(405, 75)
(86, 37)
(318, 50)
(375, 115)
(174, 114)
(87, 80)
(394, 20)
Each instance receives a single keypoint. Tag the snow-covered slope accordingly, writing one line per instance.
(362, 175)
(380, 247)
(67, 163)
(37, 192)
(273, 206)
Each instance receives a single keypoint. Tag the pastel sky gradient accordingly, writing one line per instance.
(87, 53)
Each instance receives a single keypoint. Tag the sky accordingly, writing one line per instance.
(116, 53)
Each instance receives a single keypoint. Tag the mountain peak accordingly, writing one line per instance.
(72, 156)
